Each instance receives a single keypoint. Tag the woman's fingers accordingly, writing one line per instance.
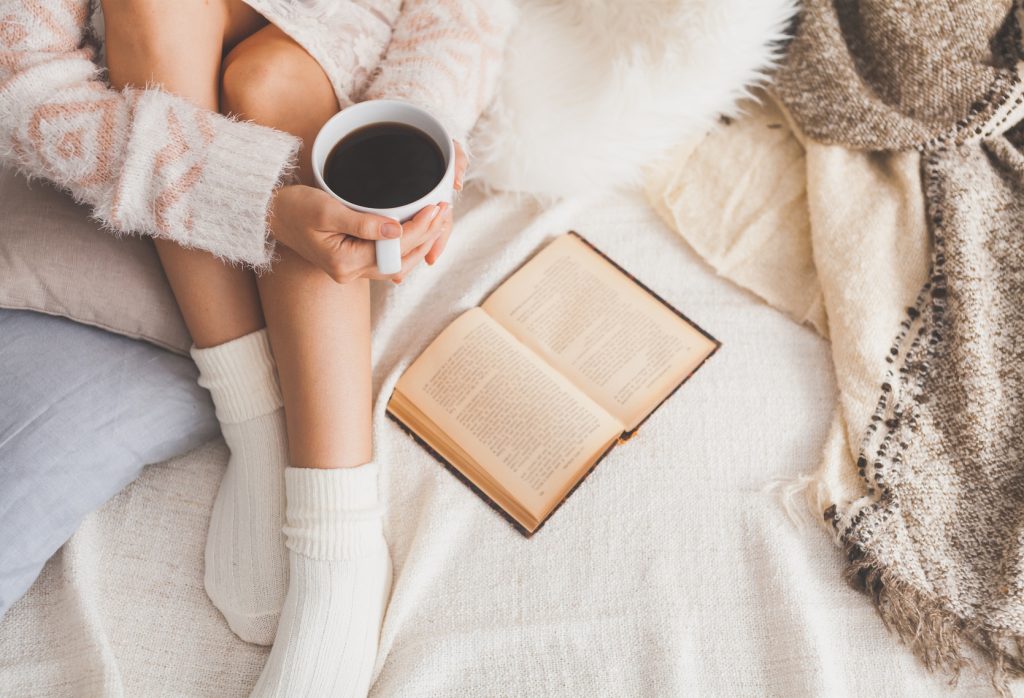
(418, 230)
(417, 255)
(438, 230)
(352, 259)
(445, 220)
(339, 218)
(411, 261)
(461, 162)
(350, 252)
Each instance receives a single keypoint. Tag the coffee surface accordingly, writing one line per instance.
(384, 165)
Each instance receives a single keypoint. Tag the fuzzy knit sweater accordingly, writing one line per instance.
(151, 163)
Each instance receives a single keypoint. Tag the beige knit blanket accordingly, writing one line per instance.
(883, 204)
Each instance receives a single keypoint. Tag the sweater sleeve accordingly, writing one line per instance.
(446, 58)
(146, 161)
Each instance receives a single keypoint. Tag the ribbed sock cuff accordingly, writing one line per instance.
(240, 376)
(334, 514)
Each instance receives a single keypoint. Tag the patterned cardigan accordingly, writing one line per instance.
(151, 163)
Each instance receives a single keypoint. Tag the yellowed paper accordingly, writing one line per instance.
(597, 327)
(530, 428)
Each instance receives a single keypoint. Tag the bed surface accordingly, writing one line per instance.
(672, 570)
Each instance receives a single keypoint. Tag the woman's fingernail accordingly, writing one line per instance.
(433, 212)
(391, 230)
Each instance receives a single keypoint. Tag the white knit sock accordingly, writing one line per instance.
(339, 584)
(246, 561)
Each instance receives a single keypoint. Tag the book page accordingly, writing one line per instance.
(612, 338)
(530, 428)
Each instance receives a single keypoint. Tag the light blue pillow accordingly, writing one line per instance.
(81, 412)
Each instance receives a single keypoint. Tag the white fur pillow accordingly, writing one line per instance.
(593, 91)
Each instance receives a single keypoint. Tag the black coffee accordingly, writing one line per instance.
(384, 165)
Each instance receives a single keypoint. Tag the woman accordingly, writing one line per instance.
(285, 353)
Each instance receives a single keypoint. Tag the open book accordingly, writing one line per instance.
(524, 395)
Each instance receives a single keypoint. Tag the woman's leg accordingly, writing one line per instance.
(320, 330)
(179, 46)
(340, 572)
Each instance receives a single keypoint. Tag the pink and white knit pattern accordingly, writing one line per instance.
(347, 38)
(152, 163)
(445, 56)
(146, 161)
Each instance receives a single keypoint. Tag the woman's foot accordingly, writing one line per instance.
(339, 584)
(246, 561)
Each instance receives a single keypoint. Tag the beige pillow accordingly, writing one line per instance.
(55, 259)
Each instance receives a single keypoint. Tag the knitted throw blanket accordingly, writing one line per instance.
(936, 535)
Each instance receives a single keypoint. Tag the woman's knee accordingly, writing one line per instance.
(271, 79)
(249, 81)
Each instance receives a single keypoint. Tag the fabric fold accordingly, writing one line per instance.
(914, 196)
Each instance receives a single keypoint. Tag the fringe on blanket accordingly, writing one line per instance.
(932, 631)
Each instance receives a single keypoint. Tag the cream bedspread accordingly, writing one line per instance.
(671, 571)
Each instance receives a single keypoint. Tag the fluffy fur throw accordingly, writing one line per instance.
(596, 90)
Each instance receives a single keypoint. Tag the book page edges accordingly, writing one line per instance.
(652, 400)
(524, 522)
(455, 459)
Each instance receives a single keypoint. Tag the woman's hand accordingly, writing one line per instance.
(341, 241)
(461, 163)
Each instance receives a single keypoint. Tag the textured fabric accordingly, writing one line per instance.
(919, 258)
(347, 37)
(241, 376)
(333, 514)
(593, 92)
(246, 571)
(893, 74)
(81, 412)
(339, 581)
(145, 161)
(445, 56)
(151, 163)
(55, 260)
(939, 542)
(845, 230)
(739, 195)
(933, 533)
(323, 647)
(669, 572)
(442, 56)
(871, 253)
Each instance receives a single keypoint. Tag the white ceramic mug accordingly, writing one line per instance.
(389, 252)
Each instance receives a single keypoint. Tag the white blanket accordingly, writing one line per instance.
(670, 571)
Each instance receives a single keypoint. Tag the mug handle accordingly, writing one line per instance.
(389, 256)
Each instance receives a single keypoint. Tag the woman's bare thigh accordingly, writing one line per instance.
(178, 45)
